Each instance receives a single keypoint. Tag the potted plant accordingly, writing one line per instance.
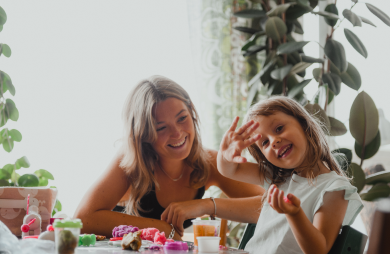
(15, 188)
(285, 67)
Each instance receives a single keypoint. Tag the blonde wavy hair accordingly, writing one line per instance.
(318, 148)
(139, 159)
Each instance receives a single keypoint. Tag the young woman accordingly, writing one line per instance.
(163, 169)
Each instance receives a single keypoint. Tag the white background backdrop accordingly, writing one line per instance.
(74, 62)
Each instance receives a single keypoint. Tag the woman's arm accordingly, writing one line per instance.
(319, 236)
(243, 204)
(95, 208)
(229, 160)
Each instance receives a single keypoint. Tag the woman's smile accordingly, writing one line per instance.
(179, 144)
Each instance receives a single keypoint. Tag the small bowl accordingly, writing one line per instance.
(208, 244)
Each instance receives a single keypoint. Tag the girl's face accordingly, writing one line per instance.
(283, 141)
(175, 130)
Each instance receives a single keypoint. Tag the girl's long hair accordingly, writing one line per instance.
(318, 148)
(139, 159)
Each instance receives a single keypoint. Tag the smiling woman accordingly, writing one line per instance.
(162, 169)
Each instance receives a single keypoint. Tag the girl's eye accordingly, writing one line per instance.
(161, 128)
(264, 142)
(181, 119)
(280, 128)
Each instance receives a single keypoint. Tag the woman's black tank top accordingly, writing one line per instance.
(149, 203)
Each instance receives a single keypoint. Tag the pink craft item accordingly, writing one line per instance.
(160, 238)
(149, 233)
(26, 227)
(287, 200)
(176, 246)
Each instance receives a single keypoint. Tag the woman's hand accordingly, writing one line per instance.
(177, 212)
(234, 141)
(287, 205)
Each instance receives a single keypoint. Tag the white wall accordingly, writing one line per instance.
(72, 64)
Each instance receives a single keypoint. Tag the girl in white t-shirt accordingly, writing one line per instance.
(293, 157)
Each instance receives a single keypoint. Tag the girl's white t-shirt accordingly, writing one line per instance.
(273, 234)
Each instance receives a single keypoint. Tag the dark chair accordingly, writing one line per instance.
(349, 241)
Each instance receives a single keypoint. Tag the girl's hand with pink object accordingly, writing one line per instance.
(289, 204)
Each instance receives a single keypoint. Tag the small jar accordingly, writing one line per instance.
(67, 233)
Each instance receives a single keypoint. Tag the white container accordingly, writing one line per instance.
(208, 244)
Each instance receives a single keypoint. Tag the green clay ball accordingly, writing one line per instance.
(93, 238)
(86, 240)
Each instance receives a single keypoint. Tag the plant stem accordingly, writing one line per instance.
(342, 19)
(284, 55)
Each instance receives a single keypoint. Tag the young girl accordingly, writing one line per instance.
(293, 157)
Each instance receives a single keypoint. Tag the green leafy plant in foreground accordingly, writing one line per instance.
(9, 111)
(285, 67)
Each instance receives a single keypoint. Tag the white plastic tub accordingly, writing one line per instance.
(208, 244)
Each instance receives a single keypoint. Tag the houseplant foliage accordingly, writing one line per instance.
(283, 73)
(9, 111)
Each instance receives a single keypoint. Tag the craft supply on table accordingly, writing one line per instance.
(119, 231)
(48, 234)
(87, 240)
(208, 243)
(67, 233)
(31, 221)
(176, 246)
(132, 241)
(205, 228)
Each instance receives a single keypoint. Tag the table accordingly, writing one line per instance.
(103, 248)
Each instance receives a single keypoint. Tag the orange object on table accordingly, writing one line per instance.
(31, 236)
(116, 239)
(203, 230)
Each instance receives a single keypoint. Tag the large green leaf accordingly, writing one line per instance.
(22, 162)
(309, 59)
(317, 74)
(275, 28)
(279, 9)
(341, 160)
(358, 176)
(8, 144)
(7, 83)
(3, 183)
(298, 89)
(379, 190)
(57, 207)
(254, 49)
(5, 50)
(281, 73)
(333, 81)
(334, 50)
(337, 128)
(250, 13)
(298, 27)
(379, 13)
(331, 8)
(11, 110)
(356, 43)
(367, 21)
(247, 30)
(290, 47)
(265, 70)
(326, 14)
(4, 174)
(299, 67)
(313, 3)
(15, 135)
(334, 69)
(316, 111)
(347, 152)
(252, 41)
(275, 88)
(28, 180)
(3, 16)
(379, 177)
(44, 173)
(351, 77)
(43, 181)
(252, 94)
(369, 150)
(363, 119)
(352, 17)
(9, 168)
(297, 11)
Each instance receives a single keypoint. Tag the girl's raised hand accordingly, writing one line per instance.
(287, 205)
(234, 141)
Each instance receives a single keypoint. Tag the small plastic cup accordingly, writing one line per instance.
(205, 228)
(208, 244)
(67, 234)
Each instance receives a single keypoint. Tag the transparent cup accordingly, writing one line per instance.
(67, 234)
(205, 228)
